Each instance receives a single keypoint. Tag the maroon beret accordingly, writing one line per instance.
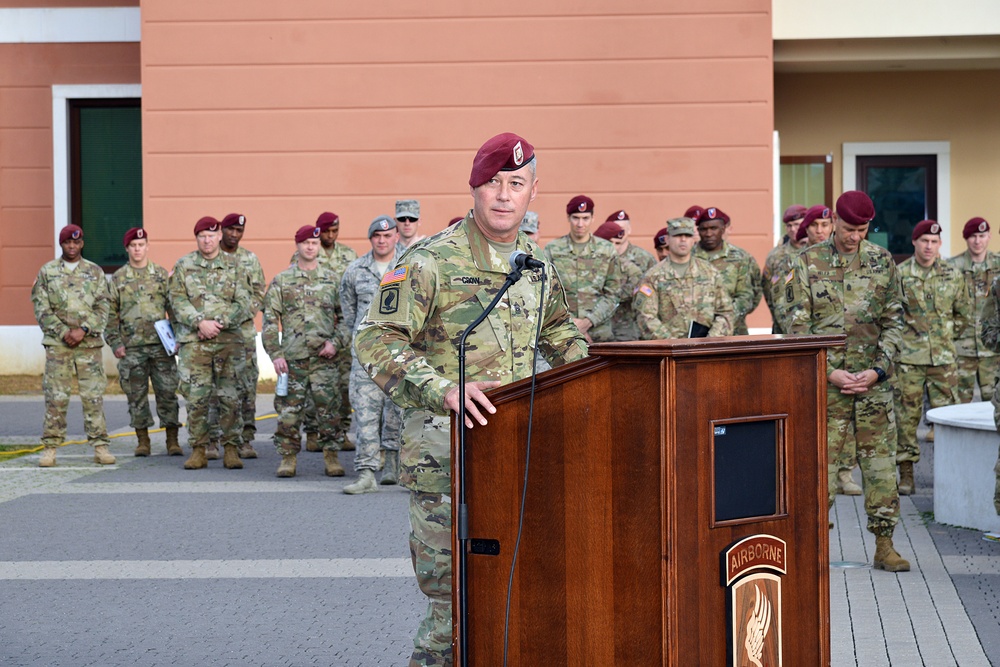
(133, 234)
(206, 224)
(617, 216)
(327, 220)
(609, 230)
(974, 226)
(694, 212)
(794, 212)
(580, 204)
(306, 232)
(712, 213)
(855, 208)
(817, 212)
(504, 152)
(233, 219)
(70, 232)
(456, 220)
(925, 227)
(660, 240)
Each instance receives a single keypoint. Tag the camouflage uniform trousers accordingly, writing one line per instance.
(344, 369)
(140, 365)
(212, 371)
(379, 420)
(908, 391)
(248, 398)
(314, 380)
(867, 422)
(996, 420)
(430, 551)
(977, 370)
(62, 364)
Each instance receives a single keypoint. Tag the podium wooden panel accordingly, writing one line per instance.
(619, 561)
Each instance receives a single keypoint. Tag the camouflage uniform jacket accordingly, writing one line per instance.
(209, 289)
(776, 266)
(138, 299)
(336, 258)
(408, 343)
(635, 262)
(666, 303)
(978, 278)
(358, 288)
(306, 305)
(592, 280)
(861, 299)
(989, 326)
(256, 283)
(65, 299)
(934, 308)
(741, 276)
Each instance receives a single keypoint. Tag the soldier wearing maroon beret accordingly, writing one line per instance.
(738, 268)
(778, 261)
(660, 243)
(635, 263)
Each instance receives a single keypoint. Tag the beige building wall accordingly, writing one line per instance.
(817, 113)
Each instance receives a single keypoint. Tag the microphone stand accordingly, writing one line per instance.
(462, 527)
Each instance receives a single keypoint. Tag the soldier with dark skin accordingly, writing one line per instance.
(847, 285)
(738, 268)
(408, 346)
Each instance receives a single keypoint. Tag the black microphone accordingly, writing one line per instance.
(520, 260)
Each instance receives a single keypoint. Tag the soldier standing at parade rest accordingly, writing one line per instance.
(739, 271)
(379, 419)
(680, 290)
(70, 297)
(210, 299)
(847, 285)
(635, 262)
(989, 332)
(771, 275)
(408, 346)
(936, 306)
(408, 224)
(334, 256)
(138, 297)
(303, 301)
(589, 270)
(977, 363)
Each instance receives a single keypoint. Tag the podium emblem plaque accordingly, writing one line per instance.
(755, 623)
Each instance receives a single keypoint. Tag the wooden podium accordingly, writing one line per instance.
(676, 509)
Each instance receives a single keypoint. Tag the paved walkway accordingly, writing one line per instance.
(143, 563)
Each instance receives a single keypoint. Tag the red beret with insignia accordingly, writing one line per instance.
(207, 224)
(580, 204)
(70, 232)
(617, 216)
(926, 227)
(327, 220)
(817, 212)
(794, 212)
(694, 212)
(306, 232)
(855, 208)
(660, 240)
(133, 234)
(233, 219)
(609, 230)
(712, 213)
(504, 152)
(974, 226)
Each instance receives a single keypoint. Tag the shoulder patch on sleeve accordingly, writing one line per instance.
(790, 277)
(397, 275)
(646, 289)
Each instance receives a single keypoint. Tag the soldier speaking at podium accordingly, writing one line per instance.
(408, 344)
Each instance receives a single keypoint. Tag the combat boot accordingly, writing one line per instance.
(198, 459)
(365, 484)
(930, 434)
(331, 459)
(48, 458)
(886, 556)
(390, 472)
(173, 447)
(246, 451)
(847, 485)
(142, 449)
(287, 466)
(906, 484)
(231, 458)
(103, 456)
(312, 442)
(348, 446)
(212, 451)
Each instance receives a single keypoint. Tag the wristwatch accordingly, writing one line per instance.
(880, 373)
(85, 330)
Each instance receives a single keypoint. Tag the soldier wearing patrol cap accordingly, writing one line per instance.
(848, 285)
(138, 298)
(635, 262)
(682, 294)
(977, 363)
(772, 274)
(738, 268)
(936, 306)
(408, 223)
(530, 225)
(590, 271)
(407, 345)
(70, 297)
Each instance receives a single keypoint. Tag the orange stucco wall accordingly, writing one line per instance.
(27, 73)
(283, 110)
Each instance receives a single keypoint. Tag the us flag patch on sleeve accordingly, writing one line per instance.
(646, 289)
(394, 276)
